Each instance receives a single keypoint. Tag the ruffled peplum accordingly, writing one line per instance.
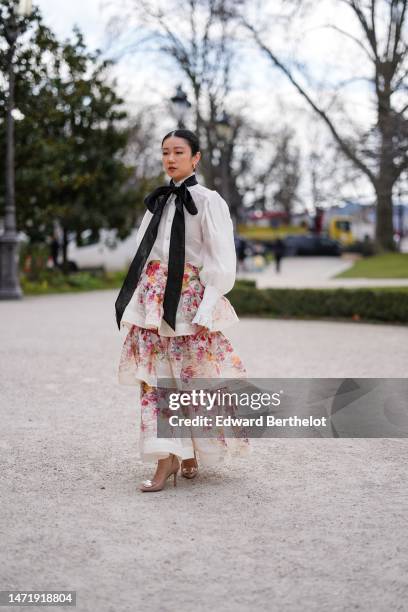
(145, 309)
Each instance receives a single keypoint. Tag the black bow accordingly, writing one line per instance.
(155, 202)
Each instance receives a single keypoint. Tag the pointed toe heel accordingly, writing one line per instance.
(150, 486)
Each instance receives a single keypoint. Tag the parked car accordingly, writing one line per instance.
(250, 254)
(108, 252)
(311, 245)
(247, 248)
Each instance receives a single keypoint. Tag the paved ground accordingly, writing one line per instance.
(303, 525)
(317, 272)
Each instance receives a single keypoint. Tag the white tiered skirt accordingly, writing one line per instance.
(148, 356)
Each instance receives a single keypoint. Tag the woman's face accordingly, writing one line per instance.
(178, 160)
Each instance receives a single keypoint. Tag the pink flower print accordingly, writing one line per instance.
(187, 373)
(200, 353)
(151, 296)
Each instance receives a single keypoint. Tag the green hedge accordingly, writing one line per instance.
(54, 281)
(380, 304)
(389, 305)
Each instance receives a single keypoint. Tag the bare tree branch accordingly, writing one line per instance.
(356, 40)
(382, 154)
(343, 145)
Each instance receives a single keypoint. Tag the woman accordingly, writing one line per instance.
(172, 302)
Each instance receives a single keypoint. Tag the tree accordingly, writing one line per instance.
(71, 144)
(381, 153)
(287, 162)
(198, 37)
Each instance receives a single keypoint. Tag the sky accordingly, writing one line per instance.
(316, 48)
(272, 94)
(62, 16)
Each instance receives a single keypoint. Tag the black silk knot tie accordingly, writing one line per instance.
(155, 202)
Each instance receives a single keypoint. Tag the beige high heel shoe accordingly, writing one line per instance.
(190, 472)
(158, 485)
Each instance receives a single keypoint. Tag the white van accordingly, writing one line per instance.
(109, 252)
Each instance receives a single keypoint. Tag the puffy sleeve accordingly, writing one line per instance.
(143, 227)
(218, 272)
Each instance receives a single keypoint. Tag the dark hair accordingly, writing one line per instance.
(191, 138)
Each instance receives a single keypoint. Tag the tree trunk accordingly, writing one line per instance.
(384, 230)
(65, 249)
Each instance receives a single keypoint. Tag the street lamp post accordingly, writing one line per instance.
(10, 288)
(181, 105)
(224, 127)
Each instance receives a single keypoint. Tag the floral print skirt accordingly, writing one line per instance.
(212, 444)
(145, 308)
(148, 359)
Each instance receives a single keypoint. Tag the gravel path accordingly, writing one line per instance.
(303, 525)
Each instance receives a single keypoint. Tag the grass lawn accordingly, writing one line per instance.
(388, 265)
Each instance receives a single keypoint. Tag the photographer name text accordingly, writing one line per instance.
(259, 421)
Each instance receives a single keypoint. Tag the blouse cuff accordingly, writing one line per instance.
(205, 310)
(204, 319)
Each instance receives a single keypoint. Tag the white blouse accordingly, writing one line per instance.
(209, 245)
